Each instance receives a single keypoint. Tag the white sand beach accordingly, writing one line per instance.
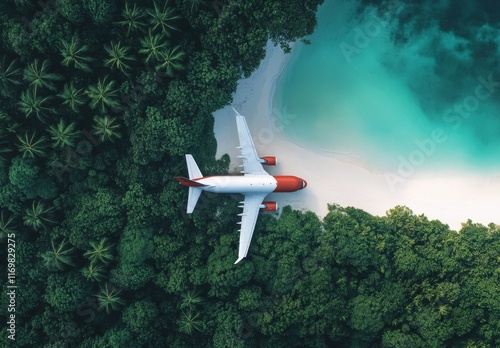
(452, 197)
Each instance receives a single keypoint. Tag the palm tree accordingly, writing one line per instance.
(444, 310)
(75, 54)
(58, 257)
(32, 104)
(100, 252)
(189, 322)
(72, 96)
(118, 57)
(54, 163)
(171, 61)
(6, 226)
(103, 95)
(31, 147)
(4, 150)
(13, 127)
(9, 75)
(106, 128)
(153, 46)
(109, 299)
(38, 76)
(24, 4)
(93, 272)
(4, 145)
(190, 300)
(132, 18)
(195, 4)
(63, 135)
(36, 216)
(162, 18)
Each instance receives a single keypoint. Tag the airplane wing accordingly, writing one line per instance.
(251, 206)
(251, 163)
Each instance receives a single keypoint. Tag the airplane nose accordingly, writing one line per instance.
(304, 183)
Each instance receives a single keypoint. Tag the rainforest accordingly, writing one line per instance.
(100, 100)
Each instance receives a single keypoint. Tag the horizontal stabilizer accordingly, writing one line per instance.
(194, 194)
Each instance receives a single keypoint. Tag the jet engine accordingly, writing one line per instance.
(269, 160)
(269, 206)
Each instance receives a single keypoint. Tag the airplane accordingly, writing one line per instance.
(255, 184)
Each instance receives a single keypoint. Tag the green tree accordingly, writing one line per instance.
(29, 146)
(72, 97)
(153, 47)
(23, 173)
(96, 213)
(190, 299)
(100, 252)
(59, 257)
(65, 292)
(196, 4)
(75, 54)
(106, 128)
(103, 95)
(222, 276)
(132, 276)
(101, 12)
(24, 4)
(63, 135)
(140, 316)
(119, 57)
(33, 105)
(17, 39)
(9, 76)
(190, 322)
(158, 135)
(72, 10)
(94, 272)
(162, 18)
(46, 33)
(228, 327)
(171, 61)
(37, 216)
(109, 298)
(288, 21)
(6, 226)
(133, 18)
(38, 75)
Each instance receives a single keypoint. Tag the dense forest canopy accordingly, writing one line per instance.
(100, 100)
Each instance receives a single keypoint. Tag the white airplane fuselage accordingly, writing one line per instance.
(239, 183)
(247, 183)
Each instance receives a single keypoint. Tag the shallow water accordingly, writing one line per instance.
(430, 102)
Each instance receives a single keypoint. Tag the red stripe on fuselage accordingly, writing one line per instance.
(189, 183)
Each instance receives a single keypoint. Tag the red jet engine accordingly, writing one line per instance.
(269, 160)
(269, 206)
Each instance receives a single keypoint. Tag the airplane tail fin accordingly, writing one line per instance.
(194, 187)
(194, 171)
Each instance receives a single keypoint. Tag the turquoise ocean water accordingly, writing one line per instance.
(356, 91)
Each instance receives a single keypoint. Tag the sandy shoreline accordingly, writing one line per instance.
(450, 197)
